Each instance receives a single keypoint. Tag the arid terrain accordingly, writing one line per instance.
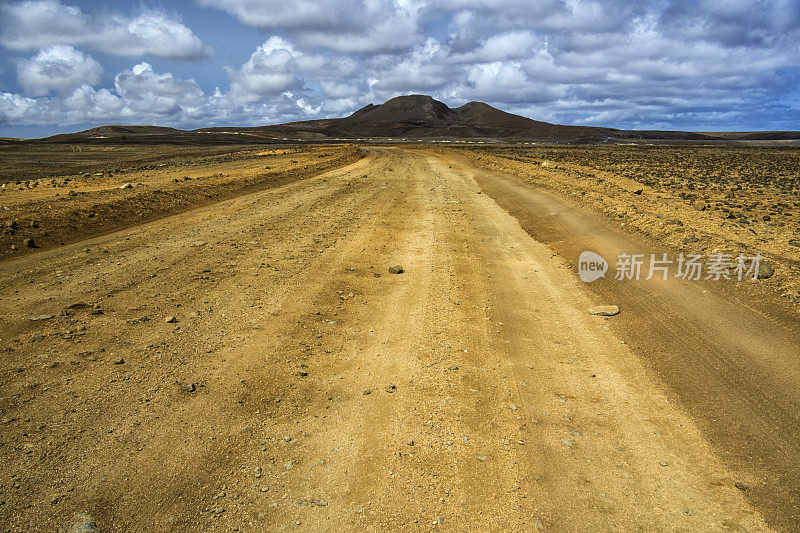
(218, 339)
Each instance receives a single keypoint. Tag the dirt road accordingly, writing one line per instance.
(252, 365)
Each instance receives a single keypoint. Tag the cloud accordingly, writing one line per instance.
(60, 68)
(361, 26)
(271, 70)
(610, 62)
(35, 24)
(146, 91)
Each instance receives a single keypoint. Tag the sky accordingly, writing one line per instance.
(707, 65)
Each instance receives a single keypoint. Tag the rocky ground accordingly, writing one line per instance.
(399, 343)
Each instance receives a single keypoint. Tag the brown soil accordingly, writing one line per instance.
(253, 364)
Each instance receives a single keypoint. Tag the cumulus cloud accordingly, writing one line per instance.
(32, 24)
(146, 91)
(665, 63)
(58, 67)
(140, 95)
(361, 26)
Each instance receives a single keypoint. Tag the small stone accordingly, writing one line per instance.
(513, 407)
(83, 523)
(638, 191)
(72, 193)
(287, 438)
(126, 186)
(604, 310)
(219, 510)
(41, 317)
(391, 387)
(396, 269)
(566, 442)
(689, 239)
(170, 320)
(765, 271)
(366, 392)
(794, 242)
(483, 458)
(119, 361)
(662, 463)
(699, 205)
(29, 243)
(741, 485)
(188, 387)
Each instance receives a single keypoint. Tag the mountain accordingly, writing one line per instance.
(413, 117)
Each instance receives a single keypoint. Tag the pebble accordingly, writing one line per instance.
(689, 239)
(29, 243)
(513, 407)
(170, 320)
(699, 205)
(483, 458)
(391, 387)
(41, 317)
(566, 442)
(126, 186)
(741, 485)
(396, 269)
(765, 271)
(119, 361)
(604, 310)
(83, 523)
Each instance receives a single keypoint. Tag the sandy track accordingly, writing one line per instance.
(512, 408)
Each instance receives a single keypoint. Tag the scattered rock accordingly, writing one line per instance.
(638, 191)
(188, 387)
(513, 407)
(699, 205)
(126, 186)
(741, 485)
(29, 243)
(604, 310)
(396, 269)
(483, 458)
(366, 392)
(41, 317)
(391, 387)
(119, 361)
(170, 320)
(72, 193)
(689, 239)
(566, 442)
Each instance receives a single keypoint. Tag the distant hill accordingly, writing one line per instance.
(413, 117)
